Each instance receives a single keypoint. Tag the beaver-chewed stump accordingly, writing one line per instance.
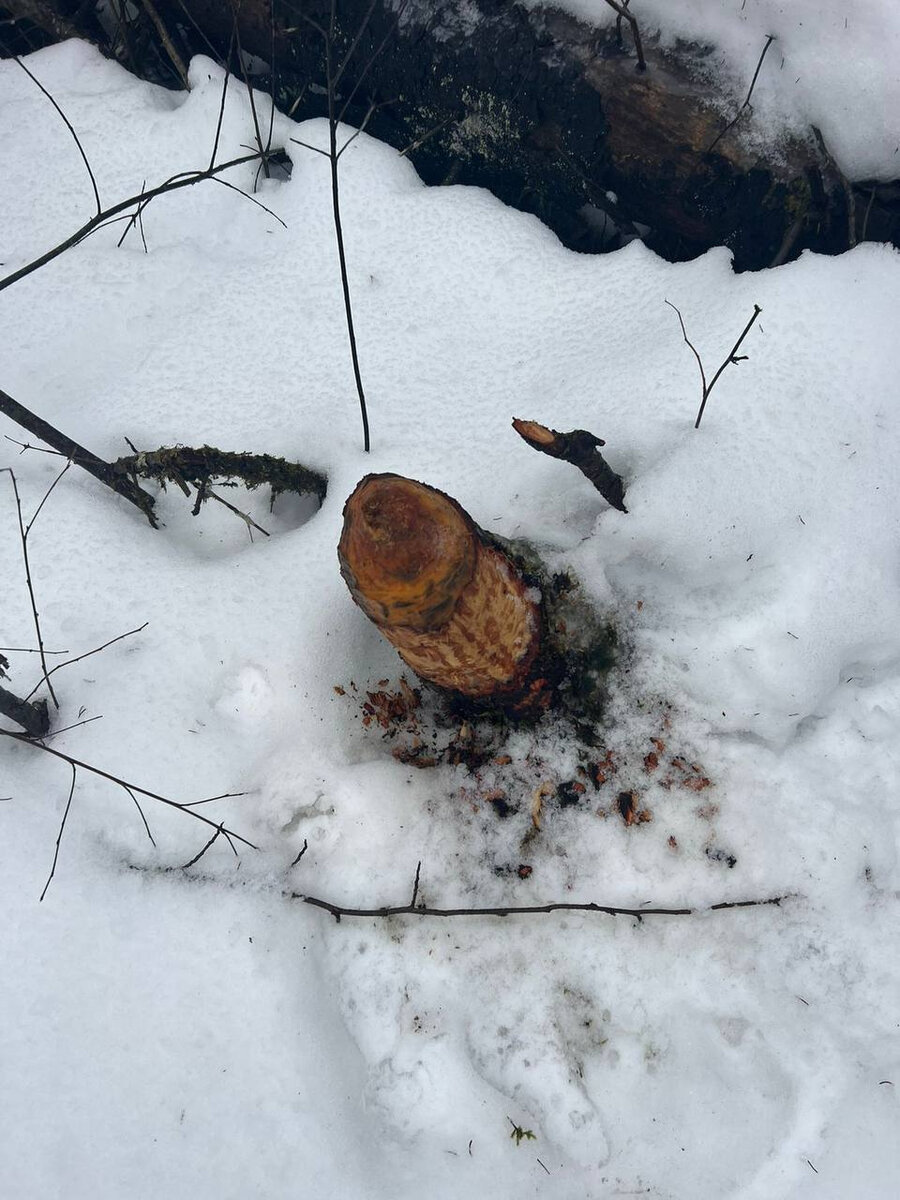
(460, 611)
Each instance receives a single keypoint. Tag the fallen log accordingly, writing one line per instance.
(554, 117)
(459, 610)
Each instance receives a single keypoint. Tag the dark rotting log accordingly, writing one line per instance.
(552, 115)
(33, 715)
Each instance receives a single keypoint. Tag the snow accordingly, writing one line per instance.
(200, 1032)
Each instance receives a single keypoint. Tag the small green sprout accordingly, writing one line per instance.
(521, 1134)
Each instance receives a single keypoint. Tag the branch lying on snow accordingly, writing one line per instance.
(412, 909)
(133, 790)
(104, 471)
(118, 212)
(581, 449)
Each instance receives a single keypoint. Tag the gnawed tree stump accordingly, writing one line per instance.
(457, 608)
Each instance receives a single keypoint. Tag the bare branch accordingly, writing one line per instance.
(124, 784)
(421, 910)
(187, 179)
(215, 149)
(252, 199)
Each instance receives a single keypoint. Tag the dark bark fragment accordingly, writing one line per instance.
(33, 716)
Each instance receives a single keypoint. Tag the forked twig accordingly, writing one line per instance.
(625, 15)
(733, 357)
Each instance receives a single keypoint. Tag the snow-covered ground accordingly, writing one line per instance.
(201, 1034)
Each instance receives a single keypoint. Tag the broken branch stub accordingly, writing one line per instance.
(582, 450)
(454, 605)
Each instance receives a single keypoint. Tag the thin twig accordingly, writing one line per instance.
(37, 449)
(69, 126)
(197, 857)
(62, 827)
(136, 218)
(28, 650)
(865, 224)
(210, 799)
(373, 108)
(691, 346)
(23, 538)
(75, 725)
(303, 850)
(252, 199)
(137, 805)
(124, 783)
(732, 357)
(309, 146)
(219, 119)
(731, 124)
(425, 136)
(248, 520)
(373, 58)
(339, 235)
(415, 891)
(87, 654)
(37, 511)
